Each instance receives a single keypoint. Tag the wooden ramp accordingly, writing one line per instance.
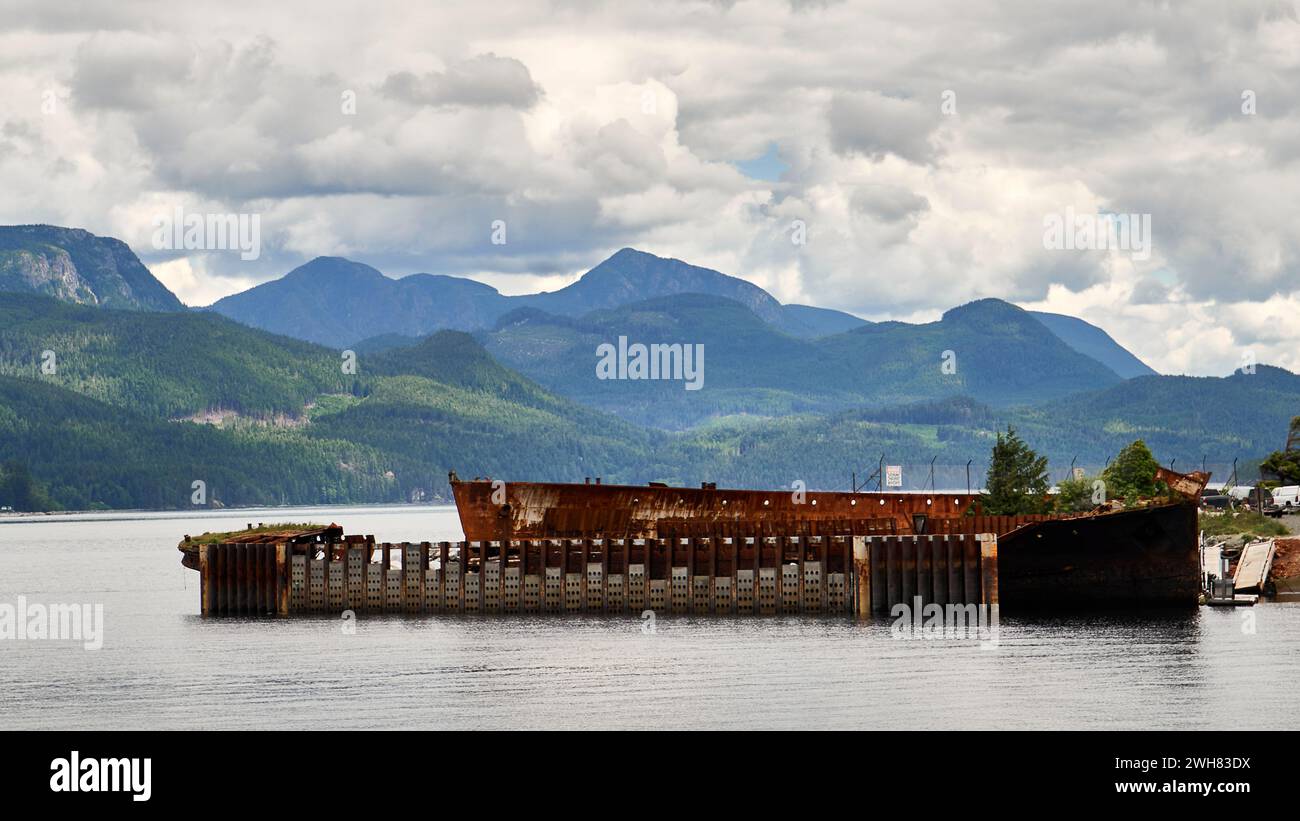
(1252, 569)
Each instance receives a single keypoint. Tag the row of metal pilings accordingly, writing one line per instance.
(839, 575)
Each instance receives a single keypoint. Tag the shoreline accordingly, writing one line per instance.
(16, 517)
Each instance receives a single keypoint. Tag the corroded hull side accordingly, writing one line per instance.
(1141, 556)
(534, 510)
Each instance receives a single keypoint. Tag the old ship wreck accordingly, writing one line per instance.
(535, 547)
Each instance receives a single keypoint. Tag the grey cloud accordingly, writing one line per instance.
(231, 122)
(889, 203)
(485, 80)
(621, 158)
(1149, 291)
(127, 71)
(74, 15)
(873, 124)
(1075, 270)
(1220, 225)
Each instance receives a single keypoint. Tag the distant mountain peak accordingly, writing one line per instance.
(629, 251)
(1079, 335)
(334, 268)
(632, 275)
(1271, 375)
(985, 309)
(358, 302)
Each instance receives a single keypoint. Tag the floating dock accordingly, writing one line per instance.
(763, 575)
(1223, 589)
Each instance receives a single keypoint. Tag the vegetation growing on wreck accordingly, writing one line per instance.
(1132, 476)
(1075, 495)
(216, 537)
(1017, 479)
(1018, 484)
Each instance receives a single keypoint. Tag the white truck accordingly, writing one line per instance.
(1287, 497)
(1255, 498)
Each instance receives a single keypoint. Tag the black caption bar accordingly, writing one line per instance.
(331, 771)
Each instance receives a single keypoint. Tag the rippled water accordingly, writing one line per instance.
(163, 666)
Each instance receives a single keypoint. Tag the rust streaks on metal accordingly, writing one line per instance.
(1188, 485)
(557, 510)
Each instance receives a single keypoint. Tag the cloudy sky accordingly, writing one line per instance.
(921, 147)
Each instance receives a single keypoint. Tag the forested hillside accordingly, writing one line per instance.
(752, 367)
(286, 423)
(163, 364)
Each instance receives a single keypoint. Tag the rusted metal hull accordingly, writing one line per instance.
(537, 510)
(1189, 485)
(1141, 556)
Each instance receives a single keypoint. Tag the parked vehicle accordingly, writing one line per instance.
(1217, 501)
(1287, 497)
(1261, 501)
(1255, 497)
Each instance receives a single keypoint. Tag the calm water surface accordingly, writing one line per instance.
(162, 666)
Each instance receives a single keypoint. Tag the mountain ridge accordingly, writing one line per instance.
(364, 307)
(1090, 340)
(104, 431)
(77, 266)
(361, 303)
(752, 367)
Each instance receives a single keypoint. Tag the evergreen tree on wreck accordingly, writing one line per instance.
(1017, 479)
(1132, 475)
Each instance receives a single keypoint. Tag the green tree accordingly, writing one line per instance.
(20, 491)
(1133, 474)
(1017, 479)
(1074, 495)
(1285, 466)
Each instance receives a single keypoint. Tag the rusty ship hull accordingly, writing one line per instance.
(1141, 556)
(538, 510)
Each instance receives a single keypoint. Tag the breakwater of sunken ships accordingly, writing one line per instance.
(564, 548)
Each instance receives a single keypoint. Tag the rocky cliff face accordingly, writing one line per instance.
(51, 273)
(76, 266)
